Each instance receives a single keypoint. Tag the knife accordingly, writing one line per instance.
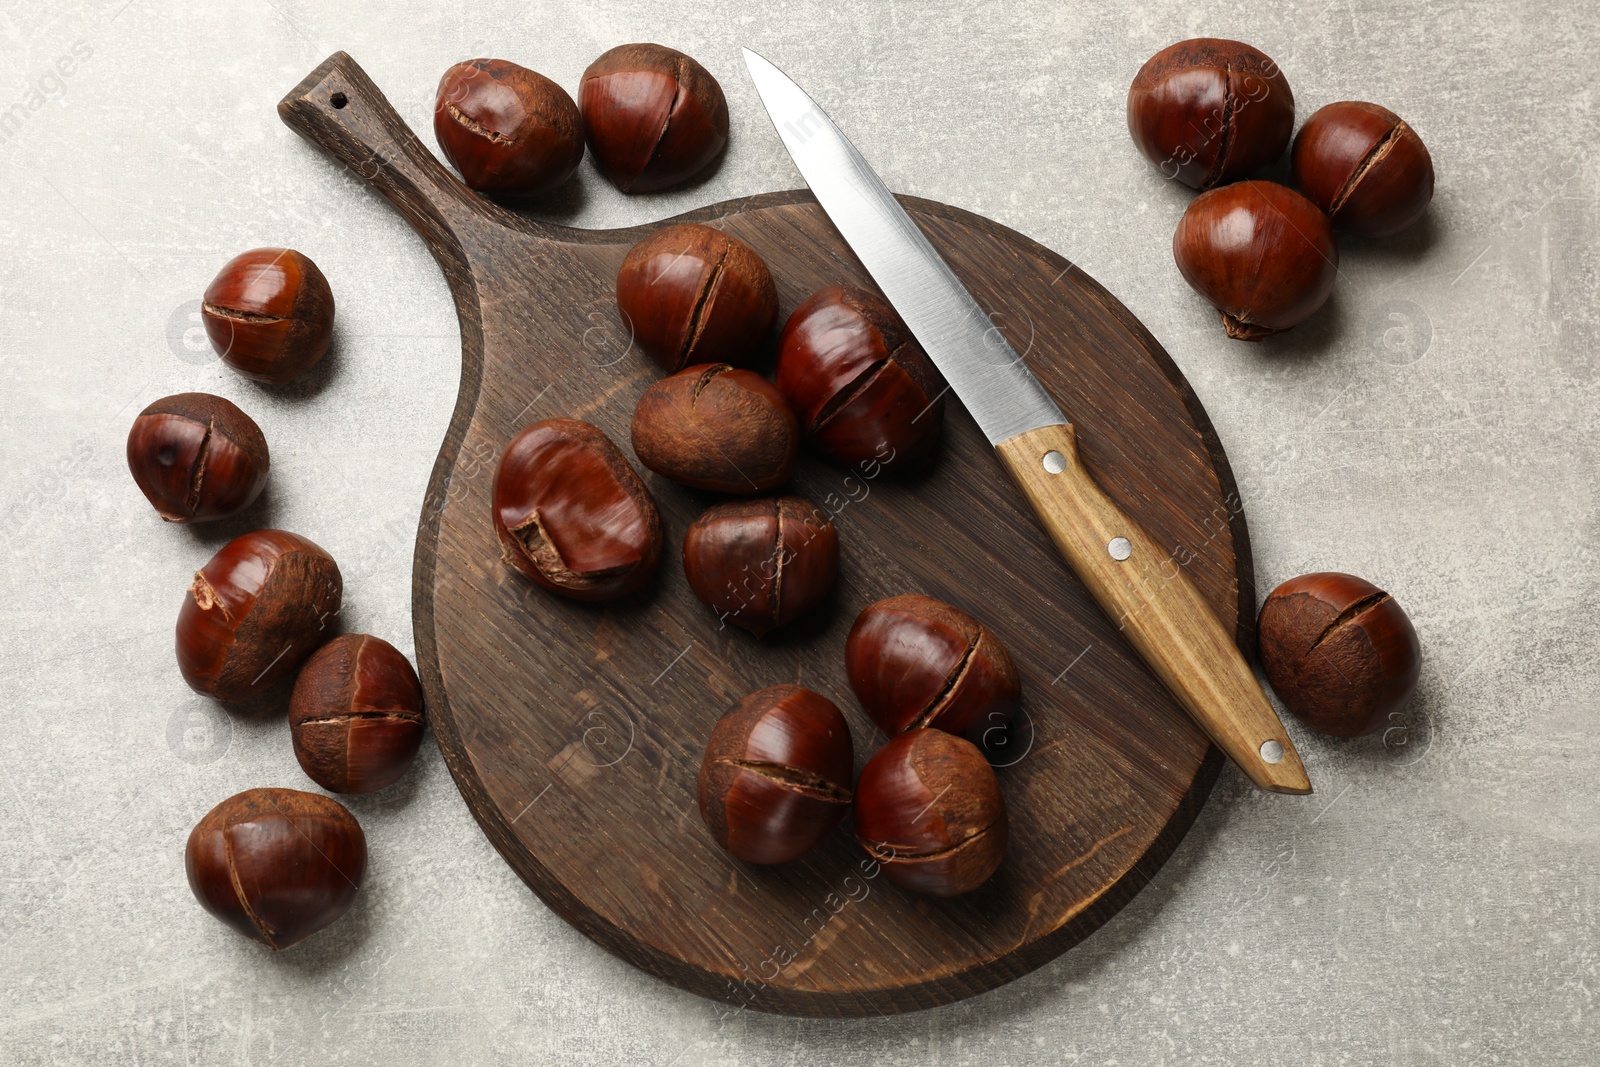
(1165, 618)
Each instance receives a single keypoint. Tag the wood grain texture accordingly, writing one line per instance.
(1146, 593)
(574, 731)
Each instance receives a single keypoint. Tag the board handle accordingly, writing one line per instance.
(339, 109)
(1153, 602)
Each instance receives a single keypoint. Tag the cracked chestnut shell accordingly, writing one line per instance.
(761, 563)
(277, 865)
(1339, 652)
(510, 131)
(255, 612)
(863, 390)
(929, 810)
(269, 314)
(1365, 167)
(571, 513)
(653, 116)
(1208, 111)
(1261, 253)
(716, 428)
(775, 779)
(692, 294)
(917, 662)
(356, 714)
(197, 457)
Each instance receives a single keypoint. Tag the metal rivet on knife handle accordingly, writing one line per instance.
(1271, 751)
(1055, 462)
(1120, 548)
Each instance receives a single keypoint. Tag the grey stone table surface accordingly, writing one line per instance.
(1433, 429)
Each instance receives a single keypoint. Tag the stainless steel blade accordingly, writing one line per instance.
(965, 344)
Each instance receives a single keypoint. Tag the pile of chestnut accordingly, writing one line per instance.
(275, 864)
(1209, 112)
(652, 116)
(574, 517)
(775, 779)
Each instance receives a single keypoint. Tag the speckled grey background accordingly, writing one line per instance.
(1432, 429)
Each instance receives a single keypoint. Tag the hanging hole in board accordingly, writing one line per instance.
(338, 100)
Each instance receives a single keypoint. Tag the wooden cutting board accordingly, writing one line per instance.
(575, 731)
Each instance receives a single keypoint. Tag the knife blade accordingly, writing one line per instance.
(1133, 579)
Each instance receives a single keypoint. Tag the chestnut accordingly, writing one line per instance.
(716, 428)
(775, 779)
(277, 865)
(761, 563)
(692, 294)
(255, 612)
(1208, 111)
(862, 388)
(1261, 253)
(356, 714)
(1365, 167)
(197, 457)
(269, 314)
(572, 515)
(653, 116)
(1339, 652)
(929, 810)
(509, 130)
(917, 662)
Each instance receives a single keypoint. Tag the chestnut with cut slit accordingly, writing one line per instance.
(864, 392)
(1208, 111)
(572, 515)
(197, 457)
(1261, 253)
(277, 865)
(509, 130)
(929, 809)
(255, 612)
(717, 428)
(653, 116)
(269, 314)
(1365, 167)
(356, 714)
(917, 662)
(692, 294)
(761, 563)
(775, 779)
(1339, 652)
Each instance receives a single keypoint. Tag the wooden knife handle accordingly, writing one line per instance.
(1155, 604)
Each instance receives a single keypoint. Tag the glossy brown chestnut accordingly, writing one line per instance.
(864, 392)
(929, 809)
(277, 865)
(509, 130)
(653, 116)
(761, 563)
(1339, 652)
(917, 662)
(776, 775)
(1365, 167)
(571, 513)
(716, 428)
(356, 714)
(1208, 111)
(255, 612)
(197, 457)
(1261, 253)
(692, 294)
(269, 314)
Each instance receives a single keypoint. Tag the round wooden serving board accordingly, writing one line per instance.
(574, 731)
